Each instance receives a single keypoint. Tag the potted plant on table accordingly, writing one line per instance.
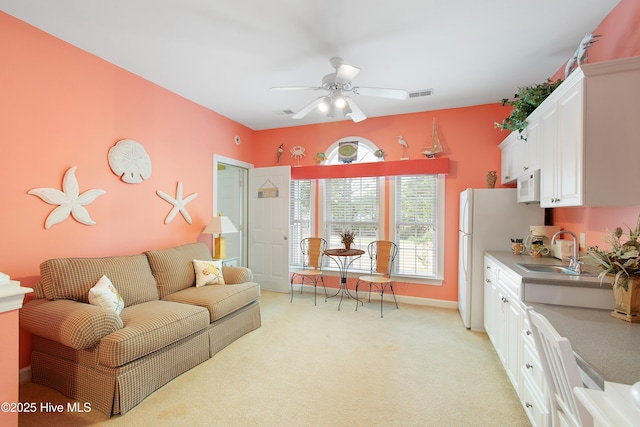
(621, 264)
(347, 237)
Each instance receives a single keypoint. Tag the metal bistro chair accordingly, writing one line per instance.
(561, 372)
(312, 249)
(383, 254)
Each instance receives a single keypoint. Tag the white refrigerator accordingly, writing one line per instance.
(489, 218)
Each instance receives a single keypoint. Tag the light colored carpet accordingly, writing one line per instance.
(317, 366)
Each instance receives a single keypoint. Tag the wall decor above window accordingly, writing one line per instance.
(348, 151)
(129, 160)
(68, 201)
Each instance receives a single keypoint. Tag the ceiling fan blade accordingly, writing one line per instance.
(346, 73)
(296, 88)
(400, 94)
(356, 113)
(306, 110)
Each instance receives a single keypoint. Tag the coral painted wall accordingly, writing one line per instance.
(620, 39)
(62, 107)
(469, 140)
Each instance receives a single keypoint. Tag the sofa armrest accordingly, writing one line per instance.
(236, 275)
(74, 324)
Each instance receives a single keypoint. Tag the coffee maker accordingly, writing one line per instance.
(540, 237)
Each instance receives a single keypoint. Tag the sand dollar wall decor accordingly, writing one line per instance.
(129, 160)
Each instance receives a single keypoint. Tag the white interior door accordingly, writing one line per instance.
(269, 226)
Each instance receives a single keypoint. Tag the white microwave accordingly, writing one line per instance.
(529, 187)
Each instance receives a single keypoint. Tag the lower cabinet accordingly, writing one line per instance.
(509, 333)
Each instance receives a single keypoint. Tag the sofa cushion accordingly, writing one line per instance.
(71, 278)
(105, 295)
(148, 327)
(208, 272)
(218, 300)
(173, 267)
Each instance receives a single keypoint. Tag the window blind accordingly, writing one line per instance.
(352, 203)
(416, 225)
(300, 217)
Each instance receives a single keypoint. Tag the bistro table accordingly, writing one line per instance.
(344, 258)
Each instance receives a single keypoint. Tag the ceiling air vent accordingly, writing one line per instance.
(420, 93)
(286, 112)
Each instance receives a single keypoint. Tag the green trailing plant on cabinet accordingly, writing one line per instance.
(524, 102)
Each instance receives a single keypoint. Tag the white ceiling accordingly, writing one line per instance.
(226, 55)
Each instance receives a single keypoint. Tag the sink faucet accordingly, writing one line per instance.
(574, 262)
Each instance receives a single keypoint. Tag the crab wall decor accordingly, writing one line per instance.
(297, 153)
(129, 160)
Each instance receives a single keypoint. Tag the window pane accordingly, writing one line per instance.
(352, 203)
(416, 225)
(299, 218)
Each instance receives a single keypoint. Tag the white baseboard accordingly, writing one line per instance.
(24, 375)
(401, 298)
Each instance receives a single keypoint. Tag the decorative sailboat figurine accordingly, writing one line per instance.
(430, 151)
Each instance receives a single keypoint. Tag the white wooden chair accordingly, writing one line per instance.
(312, 249)
(383, 254)
(561, 372)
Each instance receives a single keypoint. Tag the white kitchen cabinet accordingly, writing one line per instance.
(588, 137)
(503, 314)
(530, 152)
(534, 390)
(510, 158)
(507, 328)
(520, 153)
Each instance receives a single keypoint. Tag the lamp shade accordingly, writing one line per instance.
(220, 225)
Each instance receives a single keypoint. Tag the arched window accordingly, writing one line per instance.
(409, 211)
(366, 151)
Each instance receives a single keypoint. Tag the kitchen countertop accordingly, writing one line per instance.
(607, 349)
(606, 345)
(510, 260)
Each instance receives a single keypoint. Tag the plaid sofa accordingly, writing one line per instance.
(167, 327)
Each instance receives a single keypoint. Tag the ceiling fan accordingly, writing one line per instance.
(338, 84)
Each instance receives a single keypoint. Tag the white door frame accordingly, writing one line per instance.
(238, 163)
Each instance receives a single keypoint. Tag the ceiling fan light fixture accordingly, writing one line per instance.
(339, 102)
(324, 104)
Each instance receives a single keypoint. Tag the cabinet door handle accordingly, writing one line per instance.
(528, 405)
(529, 366)
(528, 332)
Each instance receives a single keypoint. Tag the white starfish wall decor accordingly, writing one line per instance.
(69, 200)
(179, 204)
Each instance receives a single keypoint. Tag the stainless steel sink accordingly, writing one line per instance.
(549, 269)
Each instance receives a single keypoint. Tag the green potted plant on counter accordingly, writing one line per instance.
(621, 264)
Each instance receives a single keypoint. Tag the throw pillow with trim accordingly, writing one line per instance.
(105, 295)
(208, 272)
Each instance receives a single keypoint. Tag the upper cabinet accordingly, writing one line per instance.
(520, 154)
(511, 158)
(588, 140)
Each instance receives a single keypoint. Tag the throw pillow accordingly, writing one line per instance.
(208, 272)
(105, 295)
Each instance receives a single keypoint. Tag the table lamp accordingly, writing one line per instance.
(220, 225)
